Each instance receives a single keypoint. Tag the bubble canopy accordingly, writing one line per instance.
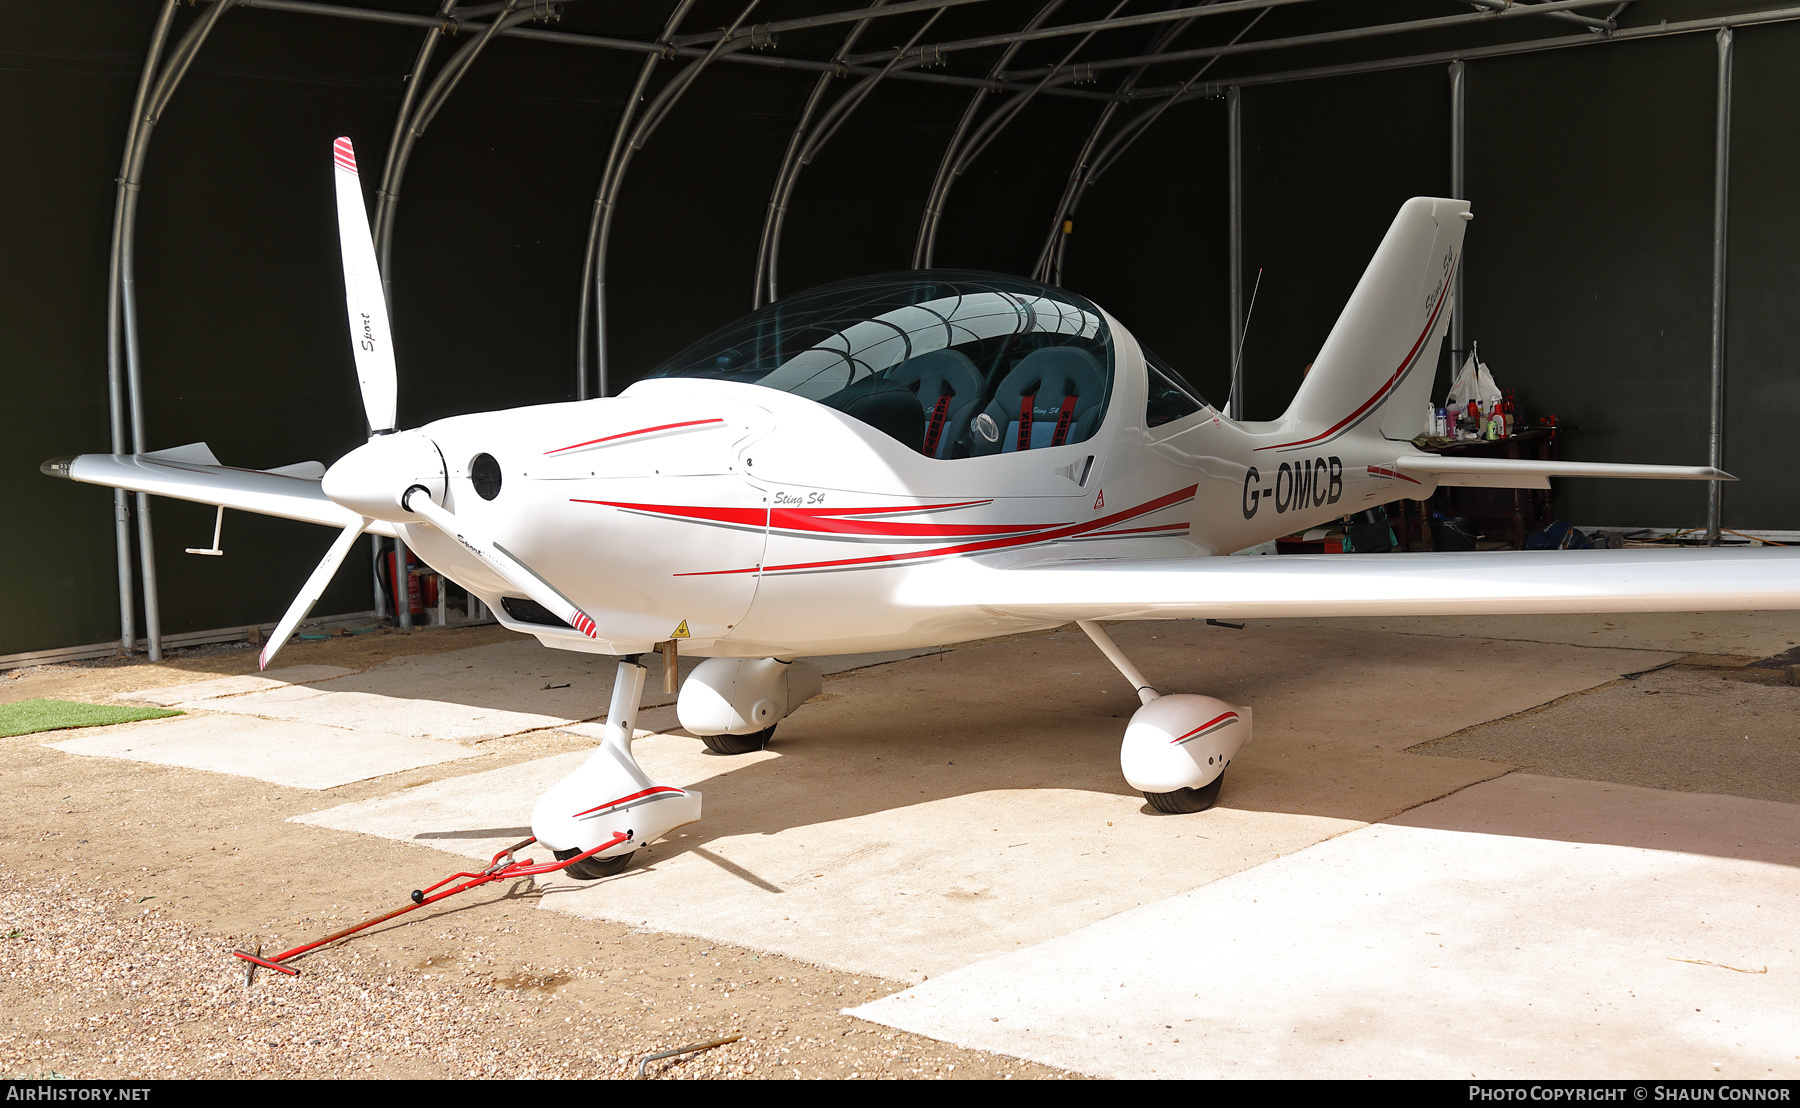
(953, 364)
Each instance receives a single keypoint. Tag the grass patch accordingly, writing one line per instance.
(28, 717)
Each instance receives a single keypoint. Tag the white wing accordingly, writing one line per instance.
(1497, 583)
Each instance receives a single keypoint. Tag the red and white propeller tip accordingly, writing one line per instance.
(371, 338)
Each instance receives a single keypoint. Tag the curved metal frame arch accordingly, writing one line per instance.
(408, 130)
(793, 148)
(619, 132)
(401, 118)
(801, 153)
(1158, 43)
(922, 247)
(1082, 176)
(620, 160)
(115, 374)
(984, 135)
(161, 82)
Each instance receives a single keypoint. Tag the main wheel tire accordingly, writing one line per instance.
(1183, 801)
(592, 869)
(739, 744)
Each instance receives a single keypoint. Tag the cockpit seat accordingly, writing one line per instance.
(1054, 396)
(948, 388)
(883, 405)
(924, 402)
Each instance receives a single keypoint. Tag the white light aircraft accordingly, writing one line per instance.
(919, 459)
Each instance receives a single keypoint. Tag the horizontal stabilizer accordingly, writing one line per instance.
(291, 492)
(197, 452)
(1511, 582)
(313, 471)
(1521, 473)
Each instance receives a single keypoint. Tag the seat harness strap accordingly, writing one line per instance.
(1063, 419)
(939, 412)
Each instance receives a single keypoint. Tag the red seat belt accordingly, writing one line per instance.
(1025, 403)
(938, 414)
(1063, 419)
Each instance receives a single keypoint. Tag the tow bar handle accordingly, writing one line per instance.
(501, 867)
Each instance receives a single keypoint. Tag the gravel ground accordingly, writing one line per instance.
(102, 984)
(124, 886)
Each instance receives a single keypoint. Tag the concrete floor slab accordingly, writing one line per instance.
(1524, 925)
(300, 755)
(1310, 680)
(901, 834)
(170, 695)
(1682, 729)
(444, 720)
(474, 815)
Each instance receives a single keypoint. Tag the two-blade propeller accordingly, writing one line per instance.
(371, 340)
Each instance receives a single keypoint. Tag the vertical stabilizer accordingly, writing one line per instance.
(1374, 373)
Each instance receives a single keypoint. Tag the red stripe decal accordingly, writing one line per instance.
(1216, 721)
(827, 522)
(1049, 534)
(627, 799)
(1393, 379)
(752, 517)
(1382, 471)
(1142, 530)
(631, 434)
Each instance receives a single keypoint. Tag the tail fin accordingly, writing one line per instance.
(1375, 371)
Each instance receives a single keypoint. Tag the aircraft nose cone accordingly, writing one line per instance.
(372, 478)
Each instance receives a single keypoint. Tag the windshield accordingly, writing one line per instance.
(952, 364)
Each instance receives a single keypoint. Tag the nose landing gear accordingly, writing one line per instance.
(611, 793)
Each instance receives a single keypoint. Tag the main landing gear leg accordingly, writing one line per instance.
(611, 793)
(1177, 746)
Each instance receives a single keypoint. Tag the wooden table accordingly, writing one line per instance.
(1508, 514)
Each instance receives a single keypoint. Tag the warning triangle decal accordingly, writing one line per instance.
(1100, 501)
(680, 632)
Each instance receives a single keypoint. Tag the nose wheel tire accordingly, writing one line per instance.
(739, 744)
(592, 869)
(1183, 801)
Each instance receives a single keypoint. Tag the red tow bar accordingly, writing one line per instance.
(500, 868)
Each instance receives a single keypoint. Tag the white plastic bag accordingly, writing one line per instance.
(1473, 380)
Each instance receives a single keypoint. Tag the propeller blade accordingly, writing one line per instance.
(500, 560)
(370, 336)
(309, 593)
